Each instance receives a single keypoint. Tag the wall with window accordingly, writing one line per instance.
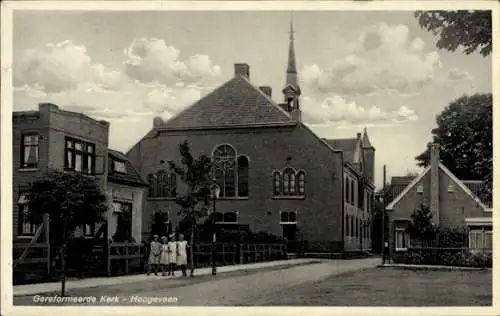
(40, 142)
(310, 176)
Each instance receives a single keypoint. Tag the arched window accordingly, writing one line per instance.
(288, 181)
(352, 192)
(352, 226)
(242, 176)
(301, 182)
(162, 184)
(276, 183)
(224, 157)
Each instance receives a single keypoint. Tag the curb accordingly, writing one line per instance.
(432, 268)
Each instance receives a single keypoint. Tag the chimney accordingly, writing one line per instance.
(434, 189)
(47, 106)
(267, 90)
(242, 69)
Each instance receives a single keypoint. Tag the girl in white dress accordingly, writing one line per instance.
(182, 254)
(172, 255)
(164, 258)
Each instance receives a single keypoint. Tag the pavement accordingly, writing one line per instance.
(31, 289)
(430, 267)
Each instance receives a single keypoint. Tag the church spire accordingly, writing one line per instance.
(291, 71)
(292, 90)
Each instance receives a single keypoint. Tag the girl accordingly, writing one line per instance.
(154, 255)
(164, 255)
(172, 255)
(181, 254)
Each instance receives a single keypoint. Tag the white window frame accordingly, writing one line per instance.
(477, 239)
(122, 166)
(406, 239)
(420, 188)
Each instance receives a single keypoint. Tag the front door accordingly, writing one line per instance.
(289, 232)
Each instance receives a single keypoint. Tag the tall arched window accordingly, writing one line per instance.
(301, 182)
(225, 164)
(162, 184)
(277, 183)
(347, 225)
(288, 181)
(242, 176)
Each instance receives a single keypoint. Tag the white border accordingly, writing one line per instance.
(6, 142)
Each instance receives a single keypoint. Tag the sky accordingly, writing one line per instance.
(373, 69)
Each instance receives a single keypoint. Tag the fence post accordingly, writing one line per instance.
(108, 259)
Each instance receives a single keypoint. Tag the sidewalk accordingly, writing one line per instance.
(31, 289)
(429, 267)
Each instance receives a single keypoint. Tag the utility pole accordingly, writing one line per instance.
(383, 216)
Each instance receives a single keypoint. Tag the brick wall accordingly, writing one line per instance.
(52, 125)
(319, 213)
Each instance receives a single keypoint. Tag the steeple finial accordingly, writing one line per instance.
(292, 68)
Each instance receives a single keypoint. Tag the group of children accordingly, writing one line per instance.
(168, 254)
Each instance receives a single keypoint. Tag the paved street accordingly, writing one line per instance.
(235, 288)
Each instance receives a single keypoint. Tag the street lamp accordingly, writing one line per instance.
(215, 195)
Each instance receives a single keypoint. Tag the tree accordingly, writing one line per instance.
(421, 226)
(465, 134)
(71, 200)
(195, 173)
(468, 29)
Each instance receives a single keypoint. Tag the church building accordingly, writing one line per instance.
(276, 175)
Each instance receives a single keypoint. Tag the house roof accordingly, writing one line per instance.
(366, 140)
(404, 180)
(236, 103)
(131, 177)
(347, 145)
(452, 177)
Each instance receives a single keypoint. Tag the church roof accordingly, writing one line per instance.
(347, 145)
(236, 103)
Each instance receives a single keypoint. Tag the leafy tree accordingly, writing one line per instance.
(465, 134)
(421, 226)
(195, 173)
(71, 200)
(469, 29)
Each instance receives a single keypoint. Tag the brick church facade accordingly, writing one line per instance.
(276, 175)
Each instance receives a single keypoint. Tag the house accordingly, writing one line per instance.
(275, 174)
(452, 202)
(55, 139)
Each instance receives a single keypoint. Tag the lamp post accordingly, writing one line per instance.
(215, 195)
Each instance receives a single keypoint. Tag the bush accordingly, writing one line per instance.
(447, 257)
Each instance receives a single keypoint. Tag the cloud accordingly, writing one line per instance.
(150, 60)
(335, 110)
(62, 67)
(64, 74)
(385, 58)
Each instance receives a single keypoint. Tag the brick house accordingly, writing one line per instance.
(275, 174)
(54, 139)
(453, 203)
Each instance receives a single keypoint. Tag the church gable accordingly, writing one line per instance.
(237, 103)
